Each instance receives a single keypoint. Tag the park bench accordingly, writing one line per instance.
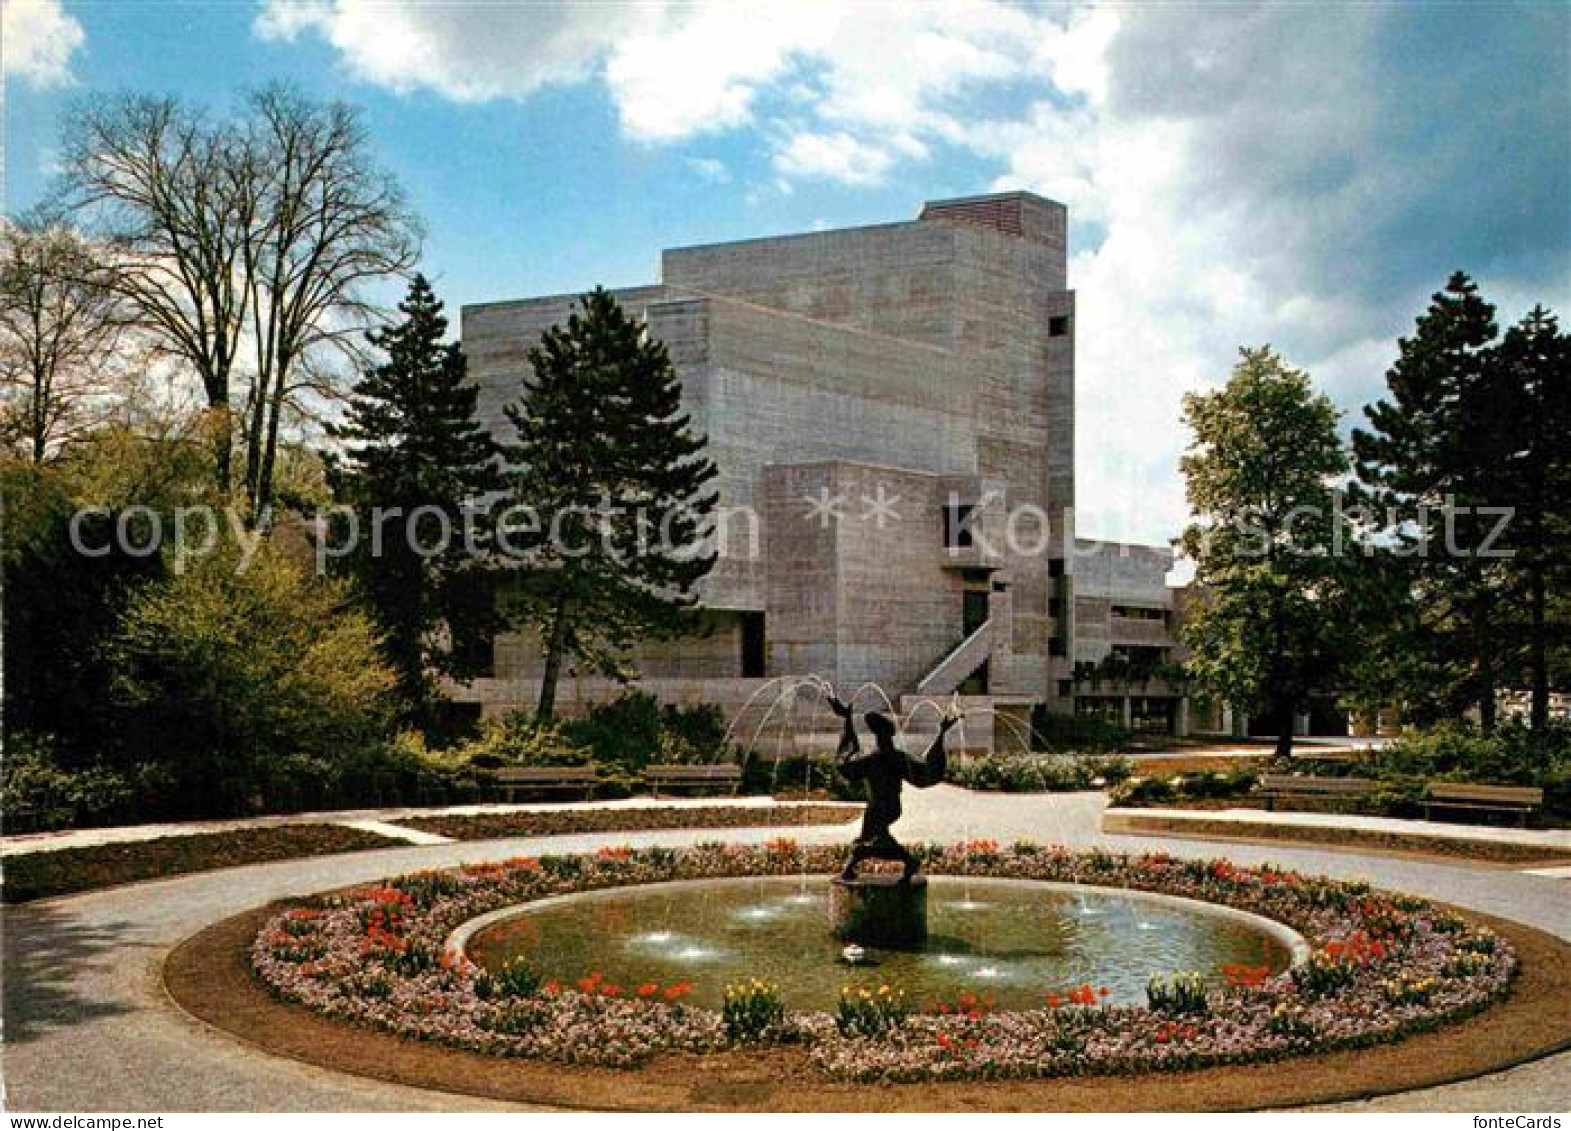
(1514, 800)
(513, 780)
(1292, 787)
(673, 777)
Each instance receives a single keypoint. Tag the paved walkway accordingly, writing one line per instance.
(396, 832)
(87, 1026)
(383, 821)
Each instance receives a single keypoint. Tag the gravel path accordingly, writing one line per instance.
(88, 1028)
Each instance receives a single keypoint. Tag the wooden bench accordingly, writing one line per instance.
(672, 778)
(1294, 788)
(1516, 800)
(512, 780)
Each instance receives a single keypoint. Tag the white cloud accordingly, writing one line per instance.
(464, 52)
(699, 68)
(836, 157)
(873, 76)
(1243, 167)
(1248, 174)
(711, 169)
(37, 40)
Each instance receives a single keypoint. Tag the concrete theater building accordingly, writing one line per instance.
(891, 409)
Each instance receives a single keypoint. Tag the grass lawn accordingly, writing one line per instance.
(1143, 743)
(1180, 764)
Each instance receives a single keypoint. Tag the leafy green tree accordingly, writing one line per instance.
(418, 465)
(612, 484)
(68, 572)
(239, 679)
(60, 607)
(1263, 632)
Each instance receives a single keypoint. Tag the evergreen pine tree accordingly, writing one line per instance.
(614, 484)
(1533, 411)
(415, 452)
(1430, 461)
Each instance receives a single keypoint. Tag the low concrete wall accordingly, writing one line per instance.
(574, 696)
(751, 705)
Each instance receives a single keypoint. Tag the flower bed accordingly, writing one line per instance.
(643, 818)
(1383, 966)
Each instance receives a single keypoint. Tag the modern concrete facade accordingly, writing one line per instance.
(891, 409)
(1125, 633)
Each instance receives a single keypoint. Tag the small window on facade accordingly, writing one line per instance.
(957, 526)
(1058, 326)
(973, 611)
(752, 645)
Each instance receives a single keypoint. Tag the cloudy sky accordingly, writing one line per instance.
(1299, 174)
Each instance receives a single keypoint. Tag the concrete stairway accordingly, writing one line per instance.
(961, 662)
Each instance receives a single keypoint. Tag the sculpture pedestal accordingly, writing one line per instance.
(880, 911)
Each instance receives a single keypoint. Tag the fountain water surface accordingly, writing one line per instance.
(1011, 942)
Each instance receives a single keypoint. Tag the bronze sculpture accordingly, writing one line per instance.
(883, 772)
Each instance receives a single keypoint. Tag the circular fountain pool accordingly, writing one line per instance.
(1010, 941)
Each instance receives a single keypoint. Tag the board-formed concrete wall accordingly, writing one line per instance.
(1112, 575)
(917, 358)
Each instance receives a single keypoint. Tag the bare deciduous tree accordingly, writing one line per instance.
(158, 185)
(329, 221)
(244, 245)
(60, 325)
